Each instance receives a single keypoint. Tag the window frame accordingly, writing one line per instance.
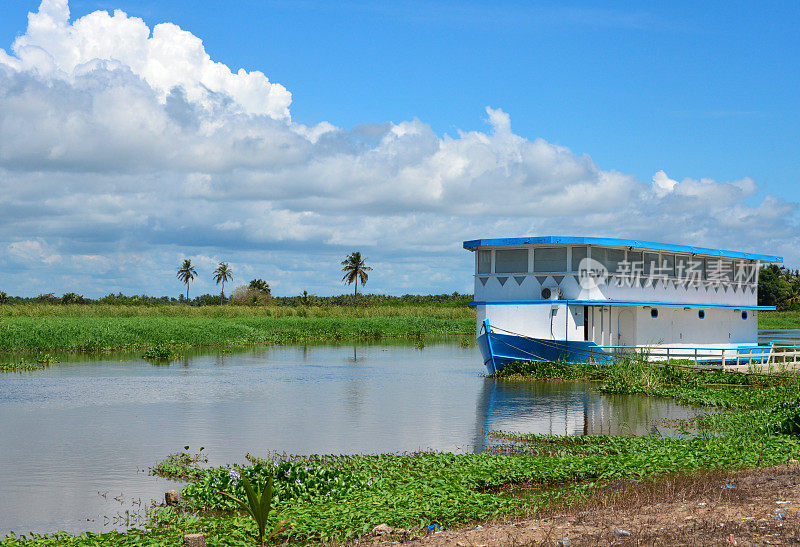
(566, 260)
(517, 249)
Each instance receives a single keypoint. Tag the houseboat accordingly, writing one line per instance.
(579, 299)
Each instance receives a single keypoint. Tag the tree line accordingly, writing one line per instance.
(454, 299)
(256, 292)
(779, 286)
(354, 267)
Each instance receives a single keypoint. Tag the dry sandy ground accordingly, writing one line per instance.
(762, 508)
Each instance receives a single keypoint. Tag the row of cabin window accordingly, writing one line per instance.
(701, 314)
(555, 260)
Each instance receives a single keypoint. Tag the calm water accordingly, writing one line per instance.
(78, 435)
(779, 336)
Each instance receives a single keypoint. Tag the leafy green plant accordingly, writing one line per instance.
(785, 418)
(294, 481)
(20, 366)
(45, 359)
(545, 370)
(160, 353)
(261, 286)
(183, 466)
(258, 506)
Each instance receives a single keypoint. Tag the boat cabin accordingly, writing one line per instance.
(577, 296)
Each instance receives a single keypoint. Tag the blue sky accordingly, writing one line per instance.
(699, 89)
(706, 92)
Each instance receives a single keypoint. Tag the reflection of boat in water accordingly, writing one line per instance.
(568, 408)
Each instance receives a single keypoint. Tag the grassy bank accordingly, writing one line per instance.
(99, 327)
(779, 320)
(85, 328)
(755, 423)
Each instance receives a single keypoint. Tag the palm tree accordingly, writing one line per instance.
(222, 274)
(187, 273)
(794, 290)
(306, 298)
(355, 268)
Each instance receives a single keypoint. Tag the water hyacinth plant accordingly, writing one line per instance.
(258, 505)
(160, 353)
(292, 482)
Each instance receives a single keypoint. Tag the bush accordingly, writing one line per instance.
(247, 296)
(3, 298)
(136, 300)
(72, 298)
(207, 300)
(49, 298)
(631, 373)
(160, 353)
(785, 417)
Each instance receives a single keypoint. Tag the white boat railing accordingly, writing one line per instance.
(774, 357)
(729, 358)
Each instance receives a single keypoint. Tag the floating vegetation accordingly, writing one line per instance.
(184, 466)
(160, 354)
(22, 366)
(42, 360)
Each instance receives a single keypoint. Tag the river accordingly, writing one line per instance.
(78, 437)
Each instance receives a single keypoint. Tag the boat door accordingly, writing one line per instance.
(626, 328)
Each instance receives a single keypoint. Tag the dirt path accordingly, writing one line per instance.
(759, 507)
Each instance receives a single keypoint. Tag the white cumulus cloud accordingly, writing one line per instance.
(124, 149)
(166, 57)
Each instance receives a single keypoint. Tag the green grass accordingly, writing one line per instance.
(88, 328)
(779, 320)
(98, 327)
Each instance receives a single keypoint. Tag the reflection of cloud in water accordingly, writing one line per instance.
(569, 408)
(353, 392)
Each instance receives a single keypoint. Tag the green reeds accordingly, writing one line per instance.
(89, 328)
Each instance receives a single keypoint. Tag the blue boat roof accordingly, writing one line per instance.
(616, 242)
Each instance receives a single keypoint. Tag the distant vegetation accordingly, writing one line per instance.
(779, 286)
(93, 327)
(257, 287)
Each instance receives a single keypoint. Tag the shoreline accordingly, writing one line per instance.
(762, 505)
